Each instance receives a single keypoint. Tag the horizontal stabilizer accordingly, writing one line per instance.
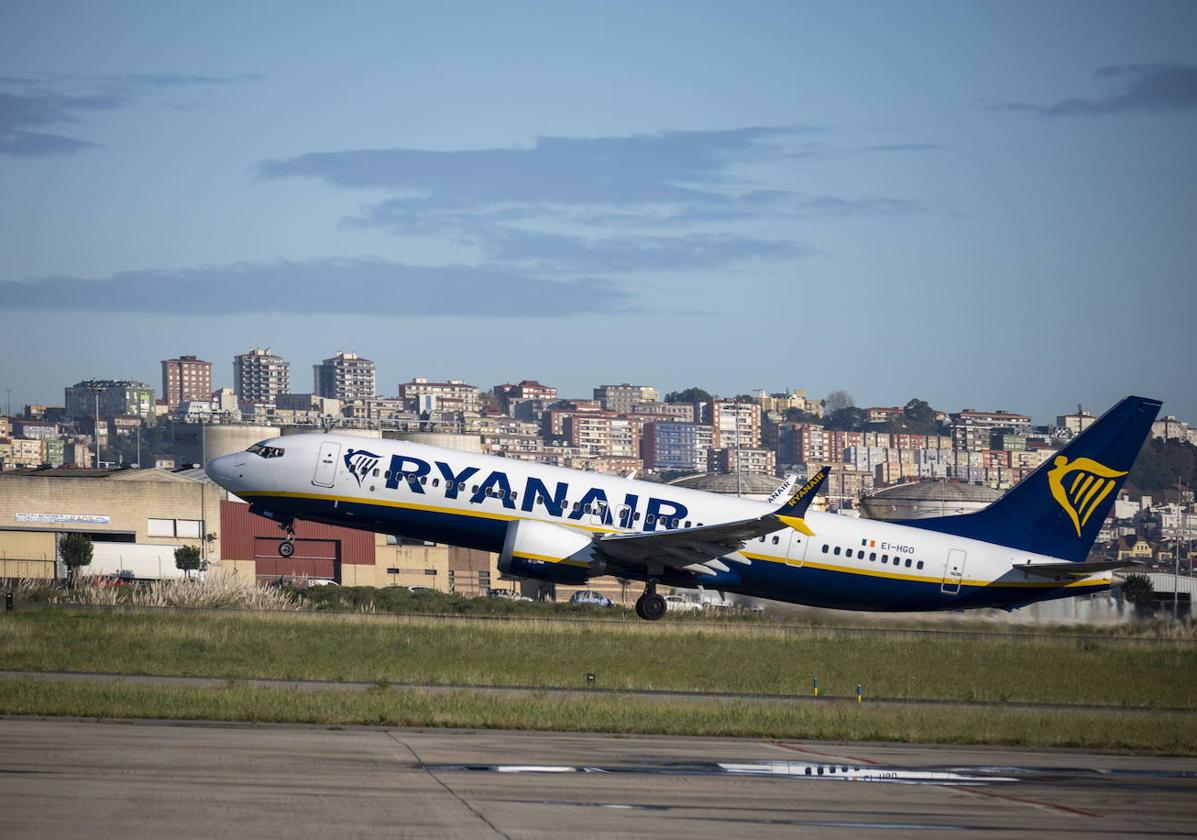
(1076, 569)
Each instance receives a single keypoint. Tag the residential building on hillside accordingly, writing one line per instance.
(112, 397)
(735, 424)
(259, 376)
(344, 377)
(422, 395)
(184, 379)
(621, 398)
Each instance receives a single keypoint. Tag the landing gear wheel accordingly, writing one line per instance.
(286, 548)
(650, 606)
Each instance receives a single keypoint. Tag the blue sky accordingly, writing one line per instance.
(979, 204)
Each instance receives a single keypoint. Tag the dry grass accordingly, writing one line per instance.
(214, 593)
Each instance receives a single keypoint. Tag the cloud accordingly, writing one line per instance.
(29, 104)
(363, 286)
(553, 252)
(1135, 88)
(665, 201)
(672, 166)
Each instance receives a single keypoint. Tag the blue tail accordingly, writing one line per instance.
(1058, 509)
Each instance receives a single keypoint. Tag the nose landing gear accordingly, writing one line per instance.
(650, 606)
(287, 547)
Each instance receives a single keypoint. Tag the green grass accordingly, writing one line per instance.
(387, 707)
(686, 657)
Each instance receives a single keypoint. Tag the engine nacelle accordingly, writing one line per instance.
(548, 552)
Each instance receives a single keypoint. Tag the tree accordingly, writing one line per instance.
(689, 395)
(837, 401)
(798, 415)
(744, 398)
(75, 551)
(918, 418)
(847, 419)
(188, 559)
(1138, 590)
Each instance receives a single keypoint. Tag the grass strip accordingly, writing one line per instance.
(388, 707)
(675, 656)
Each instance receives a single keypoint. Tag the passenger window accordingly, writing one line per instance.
(461, 487)
(648, 520)
(387, 475)
(775, 540)
(436, 482)
(762, 539)
(837, 551)
(848, 552)
(475, 489)
(872, 555)
(512, 494)
(920, 564)
(825, 547)
(908, 564)
(423, 478)
(636, 517)
(376, 472)
(687, 523)
(884, 558)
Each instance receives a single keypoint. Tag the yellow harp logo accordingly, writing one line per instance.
(1080, 486)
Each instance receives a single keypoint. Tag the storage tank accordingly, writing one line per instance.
(446, 440)
(217, 440)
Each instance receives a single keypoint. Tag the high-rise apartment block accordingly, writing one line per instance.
(259, 376)
(621, 398)
(185, 379)
(345, 377)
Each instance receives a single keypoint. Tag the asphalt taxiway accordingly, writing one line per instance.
(73, 778)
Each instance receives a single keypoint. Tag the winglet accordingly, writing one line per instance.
(793, 511)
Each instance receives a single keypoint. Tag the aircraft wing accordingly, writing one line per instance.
(702, 550)
(1075, 569)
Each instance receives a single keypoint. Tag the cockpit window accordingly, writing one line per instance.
(266, 451)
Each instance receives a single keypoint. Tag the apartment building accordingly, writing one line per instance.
(345, 377)
(259, 376)
(185, 379)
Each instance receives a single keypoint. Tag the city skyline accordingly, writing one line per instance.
(973, 204)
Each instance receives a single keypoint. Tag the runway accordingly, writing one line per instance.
(72, 778)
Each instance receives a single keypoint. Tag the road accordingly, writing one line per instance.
(155, 779)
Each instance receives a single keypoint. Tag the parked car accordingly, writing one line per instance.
(678, 604)
(590, 598)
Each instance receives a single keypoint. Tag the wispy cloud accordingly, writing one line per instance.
(30, 105)
(563, 253)
(364, 286)
(597, 205)
(1133, 89)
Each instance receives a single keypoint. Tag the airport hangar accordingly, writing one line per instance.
(137, 518)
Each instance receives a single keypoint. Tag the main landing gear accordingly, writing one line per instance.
(650, 606)
(287, 547)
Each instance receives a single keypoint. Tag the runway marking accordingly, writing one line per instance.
(765, 769)
(1034, 803)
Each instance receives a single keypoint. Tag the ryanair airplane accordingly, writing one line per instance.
(567, 526)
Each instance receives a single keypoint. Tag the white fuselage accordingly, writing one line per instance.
(463, 498)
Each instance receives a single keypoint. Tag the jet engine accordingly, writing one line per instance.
(549, 552)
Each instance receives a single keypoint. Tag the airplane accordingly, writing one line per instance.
(567, 526)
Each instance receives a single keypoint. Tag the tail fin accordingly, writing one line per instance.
(1058, 509)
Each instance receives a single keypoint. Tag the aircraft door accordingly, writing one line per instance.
(326, 464)
(953, 571)
(796, 555)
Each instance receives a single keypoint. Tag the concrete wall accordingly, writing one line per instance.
(128, 503)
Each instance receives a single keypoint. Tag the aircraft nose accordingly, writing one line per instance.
(220, 469)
